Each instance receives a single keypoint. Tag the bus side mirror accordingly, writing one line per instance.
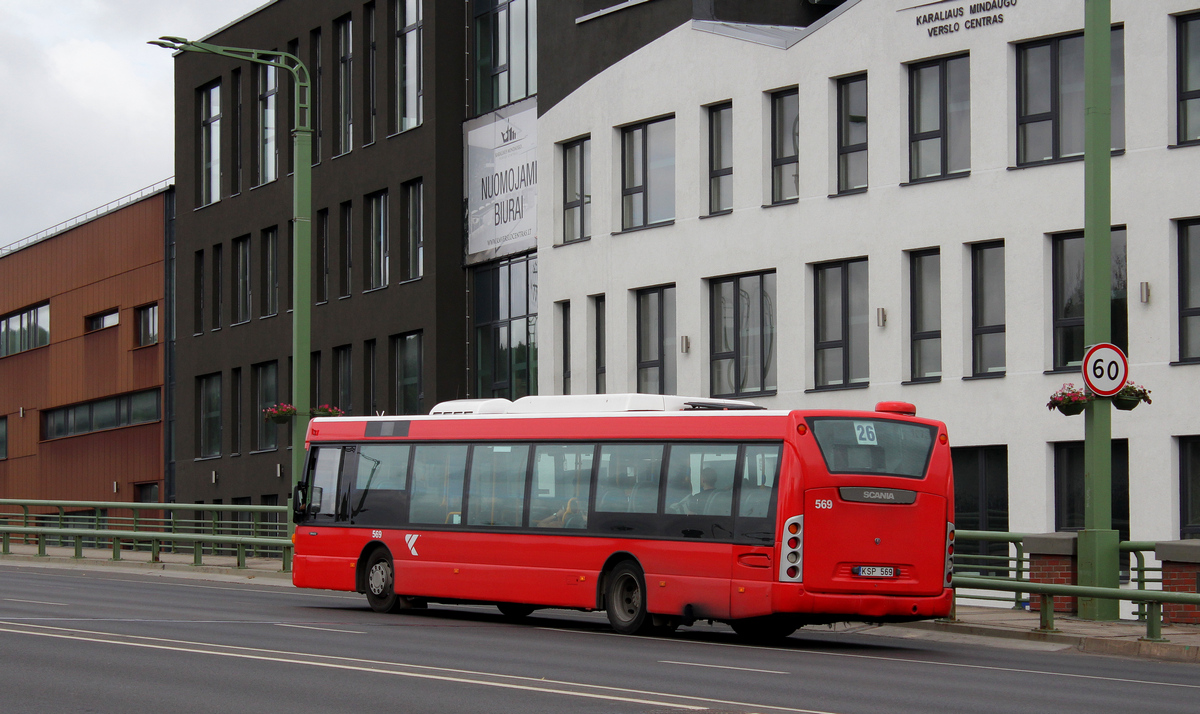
(299, 507)
(314, 504)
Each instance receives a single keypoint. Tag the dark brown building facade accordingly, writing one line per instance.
(82, 349)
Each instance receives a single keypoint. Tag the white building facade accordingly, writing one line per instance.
(888, 205)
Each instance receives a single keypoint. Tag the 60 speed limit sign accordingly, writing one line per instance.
(1105, 369)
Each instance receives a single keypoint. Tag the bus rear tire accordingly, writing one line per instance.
(515, 611)
(381, 582)
(765, 630)
(625, 600)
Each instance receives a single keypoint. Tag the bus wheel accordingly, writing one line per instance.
(515, 611)
(764, 630)
(625, 599)
(381, 582)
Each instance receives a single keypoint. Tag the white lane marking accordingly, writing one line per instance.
(721, 666)
(159, 578)
(322, 629)
(902, 660)
(35, 602)
(287, 657)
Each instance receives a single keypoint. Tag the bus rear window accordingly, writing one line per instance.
(873, 446)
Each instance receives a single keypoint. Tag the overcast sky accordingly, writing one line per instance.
(86, 111)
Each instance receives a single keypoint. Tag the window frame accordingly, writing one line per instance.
(582, 178)
(145, 316)
(343, 29)
(666, 357)
(844, 149)
(496, 64)
(412, 264)
(268, 123)
(242, 298)
(565, 307)
(767, 338)
(269, 305)
(376, 273)
(645, 188)
(209, 421)
(401, 379)
(343, 378)
(3, 437)
(496, 323)
(716, 172)
(209, 143)
(978, 330)
(408, 34)
(1060, 323)
(1189, 479)
(25, 334)
(844, 342)
(779, 161)
(601, 356)
(99, 321)
(942, 133)
(916, 336)
(266, 379)
(370, 80)
(1185, 284)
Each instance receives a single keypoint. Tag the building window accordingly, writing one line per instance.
(577, 190)
(198, 294)
(315, 69)
(852, 133)
(342, 376)
(505, 52)
(566, 347)
(926, 314)
(146, 325)
(601, 360)
(345, 249)
(108, 413)
(99, 321)
(506, 328)
(217, 285)
(266, 394)
(25, 330)
(235, 131)
(370, 92)
(720, 158)
(648, 174)
(1189, 291)
(1068, 298)
(1188, 79)
(412, 257)
(241, 280)
(743, 335)
(268, 119)
(656, 340)
(1050, 101)
(270, 272)
(981, 501)
(785, 146)
(1069, 493)
(322, 271)
(939, 117)
(1189, 486)
(376, 241)
(314, 378)
(408, 395)
(842, 324)
(208, 421)
(210, 144)
(3, 437)
(410, 20)
(987, 309)
(235, 411)
(344, 87)
(369, 404)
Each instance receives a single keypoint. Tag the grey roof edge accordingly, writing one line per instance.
(1178, 551)
(1062, 543)
(786, 37)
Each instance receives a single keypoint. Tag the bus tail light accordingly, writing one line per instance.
(949, 555)
(791, 561)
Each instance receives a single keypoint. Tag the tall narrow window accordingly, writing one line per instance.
(376, 270)
(315, 68)
(981, 500)
(235, 410)
(293, 48)
(506, 328)
(656, 340)
(566, 347)
(369, 404)
(241, 280)
(987, 309)
(210, 144)
(505, 52)
(322, 271)
(1189, 292)
(344, 88)
(270, 272)
(266, 394)
(720, 158)
(218, 285)
(370, 91)
(314, 386)
(1189, 487)
(409, 91)
(852, 133)
(743, 335)
(939, 117)
(926, 314)
(648, 173)
(842, 323)
(577, 190)
(412, 257)
(1187, 74)
(345, 249)
(268, 145)
(1068, 298)
(342, 376)
(198, 294)
(235, 131)
(1069, 487)
(147, 325)
(407, 391)
(3, 437)
(208, 417)
(601, 346)
(785, 146)
(1050, 102)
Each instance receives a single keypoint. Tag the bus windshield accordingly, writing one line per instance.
(873, 446)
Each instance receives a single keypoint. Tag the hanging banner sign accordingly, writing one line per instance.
(501, 180)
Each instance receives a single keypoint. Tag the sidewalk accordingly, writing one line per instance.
(216, 567)
(1121, 637)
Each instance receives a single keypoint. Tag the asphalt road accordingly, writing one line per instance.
(74, 640)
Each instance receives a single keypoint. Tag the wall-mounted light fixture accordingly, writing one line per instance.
(685, 344)
(278, 470)
(114, 486)
(214, 476)
(1144, 291)
(881, 316)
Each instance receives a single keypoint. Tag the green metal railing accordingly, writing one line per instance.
(219, 529)
(1015, 563)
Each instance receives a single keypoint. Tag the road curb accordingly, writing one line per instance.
(1166, 651)
(273, 576)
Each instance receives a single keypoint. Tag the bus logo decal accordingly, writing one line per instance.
(411, 539)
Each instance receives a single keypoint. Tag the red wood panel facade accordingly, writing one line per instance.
(115, 261)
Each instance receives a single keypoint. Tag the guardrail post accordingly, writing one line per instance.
(197, 553)
(1018, 603)
(1046, 620)
(241, 555)
(41, 541)
(116, 548)
(154, 546)
(1154, 623)
(287, 559)
(78, 546)
(1141, 585)
(7, 549)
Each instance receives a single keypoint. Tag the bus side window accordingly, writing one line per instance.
(760, 468)
(437, 487)
(377, 495)
(701, 479)
(323, 480)
(629, 475)
(497, 493)
(562, 482)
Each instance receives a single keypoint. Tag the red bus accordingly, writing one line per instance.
(658, 510)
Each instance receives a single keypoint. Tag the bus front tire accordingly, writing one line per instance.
(625, 600)
(381, 582)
